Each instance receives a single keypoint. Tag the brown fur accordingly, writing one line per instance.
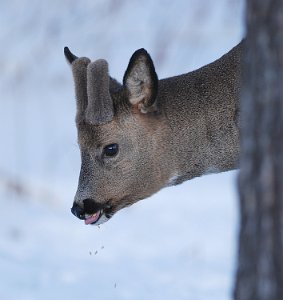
(79, 68)
(100, 105)
(168, 131)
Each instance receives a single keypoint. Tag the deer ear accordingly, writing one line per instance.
(69, 55)
(141, 82)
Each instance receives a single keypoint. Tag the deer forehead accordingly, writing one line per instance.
(133, 134)
(90, 136)
(113, 132)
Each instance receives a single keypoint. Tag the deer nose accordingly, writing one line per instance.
(78, 211)
(91, 206)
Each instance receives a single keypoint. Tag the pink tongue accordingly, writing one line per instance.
(92, 219)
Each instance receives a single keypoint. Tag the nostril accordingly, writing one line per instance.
(78, 211)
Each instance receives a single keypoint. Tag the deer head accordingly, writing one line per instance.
(140, 136)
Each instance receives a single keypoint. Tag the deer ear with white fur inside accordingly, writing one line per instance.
(141, 82)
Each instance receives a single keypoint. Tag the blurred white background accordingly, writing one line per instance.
(180, 243)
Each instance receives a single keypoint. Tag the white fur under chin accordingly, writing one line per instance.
(101, 220)
(211, 170)
(172, 180)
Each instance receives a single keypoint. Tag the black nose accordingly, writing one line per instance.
(78, 211)
(91, 207)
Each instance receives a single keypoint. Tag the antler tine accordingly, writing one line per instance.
(79, 68)
(100, 105)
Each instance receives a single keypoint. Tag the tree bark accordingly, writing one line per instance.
(260, 262)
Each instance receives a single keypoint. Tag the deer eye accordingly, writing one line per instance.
(110, 150)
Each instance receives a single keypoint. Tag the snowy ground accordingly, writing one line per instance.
(180, 244)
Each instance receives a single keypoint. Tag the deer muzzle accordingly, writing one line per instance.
(91, 212)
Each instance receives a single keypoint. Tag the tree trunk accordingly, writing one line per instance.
(260, 266)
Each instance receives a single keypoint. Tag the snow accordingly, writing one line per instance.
(180, 243)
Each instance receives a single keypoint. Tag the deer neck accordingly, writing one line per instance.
(202, 116)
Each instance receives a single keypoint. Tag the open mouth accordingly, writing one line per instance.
(99, 217)
(93, 219)
(92, 213)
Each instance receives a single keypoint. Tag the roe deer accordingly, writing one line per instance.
(143, 135)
